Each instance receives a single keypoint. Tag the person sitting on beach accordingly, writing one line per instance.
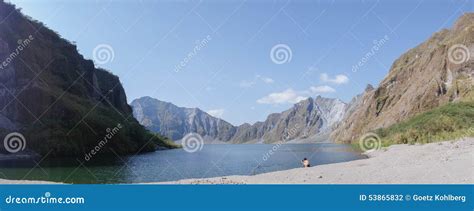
(305, 163)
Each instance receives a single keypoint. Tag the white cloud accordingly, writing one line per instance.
(249, 84)
(322, 89)
(267, 80)
(338, 79)
(246, 84)
(287, 96)
(291, 96)
(216, 112)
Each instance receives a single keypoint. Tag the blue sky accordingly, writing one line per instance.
(217, 55)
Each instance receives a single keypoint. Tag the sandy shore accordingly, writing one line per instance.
(449, 162)
(8, 182)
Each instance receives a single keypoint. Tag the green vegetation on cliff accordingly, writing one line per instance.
(60, 102)
(451, 121)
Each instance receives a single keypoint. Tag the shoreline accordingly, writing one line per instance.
(28, 182)
(447, 162)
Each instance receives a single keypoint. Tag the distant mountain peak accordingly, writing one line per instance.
(306, 118)
(175, 122)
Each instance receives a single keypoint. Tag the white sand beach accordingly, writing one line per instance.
(449, 162)
(8, 182)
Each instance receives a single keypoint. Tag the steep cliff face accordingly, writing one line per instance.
(58, 100)
(430, 75)
(175, 122)
(305, 119)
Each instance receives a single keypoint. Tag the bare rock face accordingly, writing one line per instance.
(305, 119)
(175, 122)
(432, 74)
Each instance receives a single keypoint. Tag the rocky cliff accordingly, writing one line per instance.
(175, 122)
(434, 73)
(58, 100)
(305, 119)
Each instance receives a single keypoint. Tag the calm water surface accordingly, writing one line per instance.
(211, 161)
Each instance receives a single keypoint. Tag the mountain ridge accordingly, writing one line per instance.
(425, 77)
(422, 79)
(180, 119)
(287, 125)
